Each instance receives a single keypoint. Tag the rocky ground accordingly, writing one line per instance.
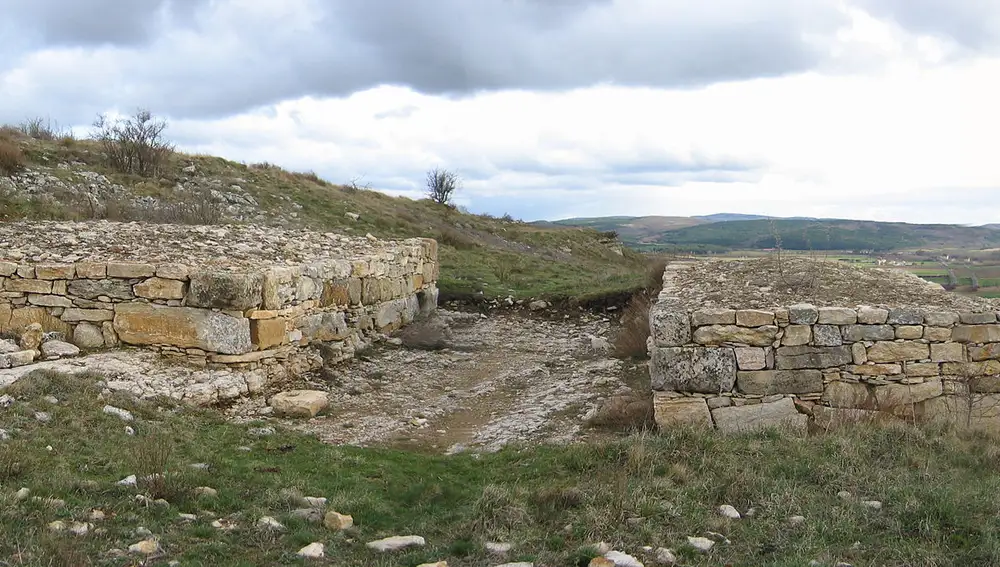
(499, 379)
(772, 282)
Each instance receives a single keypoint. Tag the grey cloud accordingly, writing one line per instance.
(974, 24)
(233, 59)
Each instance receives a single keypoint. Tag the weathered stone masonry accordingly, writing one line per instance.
(211, 310)
(798, 364)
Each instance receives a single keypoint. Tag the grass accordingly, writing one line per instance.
(940, 492)
(482, 257)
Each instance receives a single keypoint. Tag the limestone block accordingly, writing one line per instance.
(970, 369)
(857, 333)
(860, 353)
(948, 352)
(713, 317)
(872, 315)
(185, 327)
(970, 333)
(329, 326)
(780, 382)
(172, 271)
(797, 335)
(751, 358)
(92, 288)
(922, 369)
(827, 335)
(800, 357)
(299, 403)
(898, 352)
(267, 333)
(979, 413)
(977, 318)
(669, 326)
(49, 300)
(87, 335)
(906, 316)
(754, 318)
(24, 316)
(5, 312)
(225, 290)
(28, 286)
(841, 394)
(940, 318)
(830, 419)
(74, 315)
(989, 351)
(937, 334)
(7, 269)
(160, 288)
(91, 270)
(719, 334)
(61, 272)
(875, 369)
(803, 314)
(895, 395)
(129, 270)
(672, 412)
(336, 292)
(779, 414)
(704, 370)
(909, 332)
(837, 316)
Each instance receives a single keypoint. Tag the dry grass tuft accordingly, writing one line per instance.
(630, 339)
(12, 159)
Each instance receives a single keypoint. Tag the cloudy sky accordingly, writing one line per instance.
(875, 109)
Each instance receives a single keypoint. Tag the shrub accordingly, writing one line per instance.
(441, 185)
(42, 129)
(11, 158)
(630, 340)
(134, 145)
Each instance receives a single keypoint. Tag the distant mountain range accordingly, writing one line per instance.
(729, 231)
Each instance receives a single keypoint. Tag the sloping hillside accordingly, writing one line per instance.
(481, 256)
(633, 230)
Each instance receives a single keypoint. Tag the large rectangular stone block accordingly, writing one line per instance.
(849, 395)
(898, 351)
(781, 414)
(669, 325)
(986, 352)
(948, 352)
(969, 369)
(673, 412)
(856, 333)
(713, 317)
(769, 382)
(225, 290)
(704, 370)
(93, 288)
(801, 357)
(837, 316)
(185, 327)
(719, 334)
(892, 396)
(976, 334)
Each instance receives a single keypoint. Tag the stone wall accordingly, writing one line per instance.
(800, 365)
(213, 310)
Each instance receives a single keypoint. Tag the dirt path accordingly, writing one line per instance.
(503, 379)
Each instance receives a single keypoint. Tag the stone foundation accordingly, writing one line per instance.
(236, 297)
(799, 365)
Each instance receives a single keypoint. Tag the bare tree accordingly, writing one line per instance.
(135, 144)
(441, 185)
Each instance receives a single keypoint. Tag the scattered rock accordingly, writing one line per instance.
(269, 523)
(96, 515)
(602, 548)
(498, 548)
(124, 415)
(520, 564)
(796, 520)
(51, 400)
(844, 495)
(314, 501)
(260, 431)
(729, 512)
(130, 480)
(7, 347)
(395, 543)
(59, 349)
(145, 547)
(143, 532)
(311, 515)
(4, 436)
(438, 564)
(43, 417)
(601, 561)
(337, 522)
(206, 491)
(872, 504)
(702, 544)
(620, 559)
(188, 517)
(352, 216)
(313, 550)
(6, 401)
(299, 403)
(22, 494)
(665, 556)
(538, 305)
(224, 524)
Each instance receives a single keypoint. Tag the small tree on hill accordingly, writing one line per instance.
(135, 144)
(441, 185)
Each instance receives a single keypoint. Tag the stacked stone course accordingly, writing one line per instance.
(248, 315)
(800, 364)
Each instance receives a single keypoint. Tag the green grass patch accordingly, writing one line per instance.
(940, 492)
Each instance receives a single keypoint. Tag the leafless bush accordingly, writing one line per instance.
(198, 209)
(43, 129)
(441, 185)
(152, 464)
(11, 158)
(134, 145)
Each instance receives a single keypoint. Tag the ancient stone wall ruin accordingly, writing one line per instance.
(238, 297)
(919, 354)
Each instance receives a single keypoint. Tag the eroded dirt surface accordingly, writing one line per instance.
(503, 379)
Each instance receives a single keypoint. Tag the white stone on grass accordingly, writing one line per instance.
(622, 559)
(702, 544)
(313, 550)
(122, 414)
(395, 543)
(729, 512)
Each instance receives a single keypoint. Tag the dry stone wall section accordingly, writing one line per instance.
(804, 366)
(237, 297)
